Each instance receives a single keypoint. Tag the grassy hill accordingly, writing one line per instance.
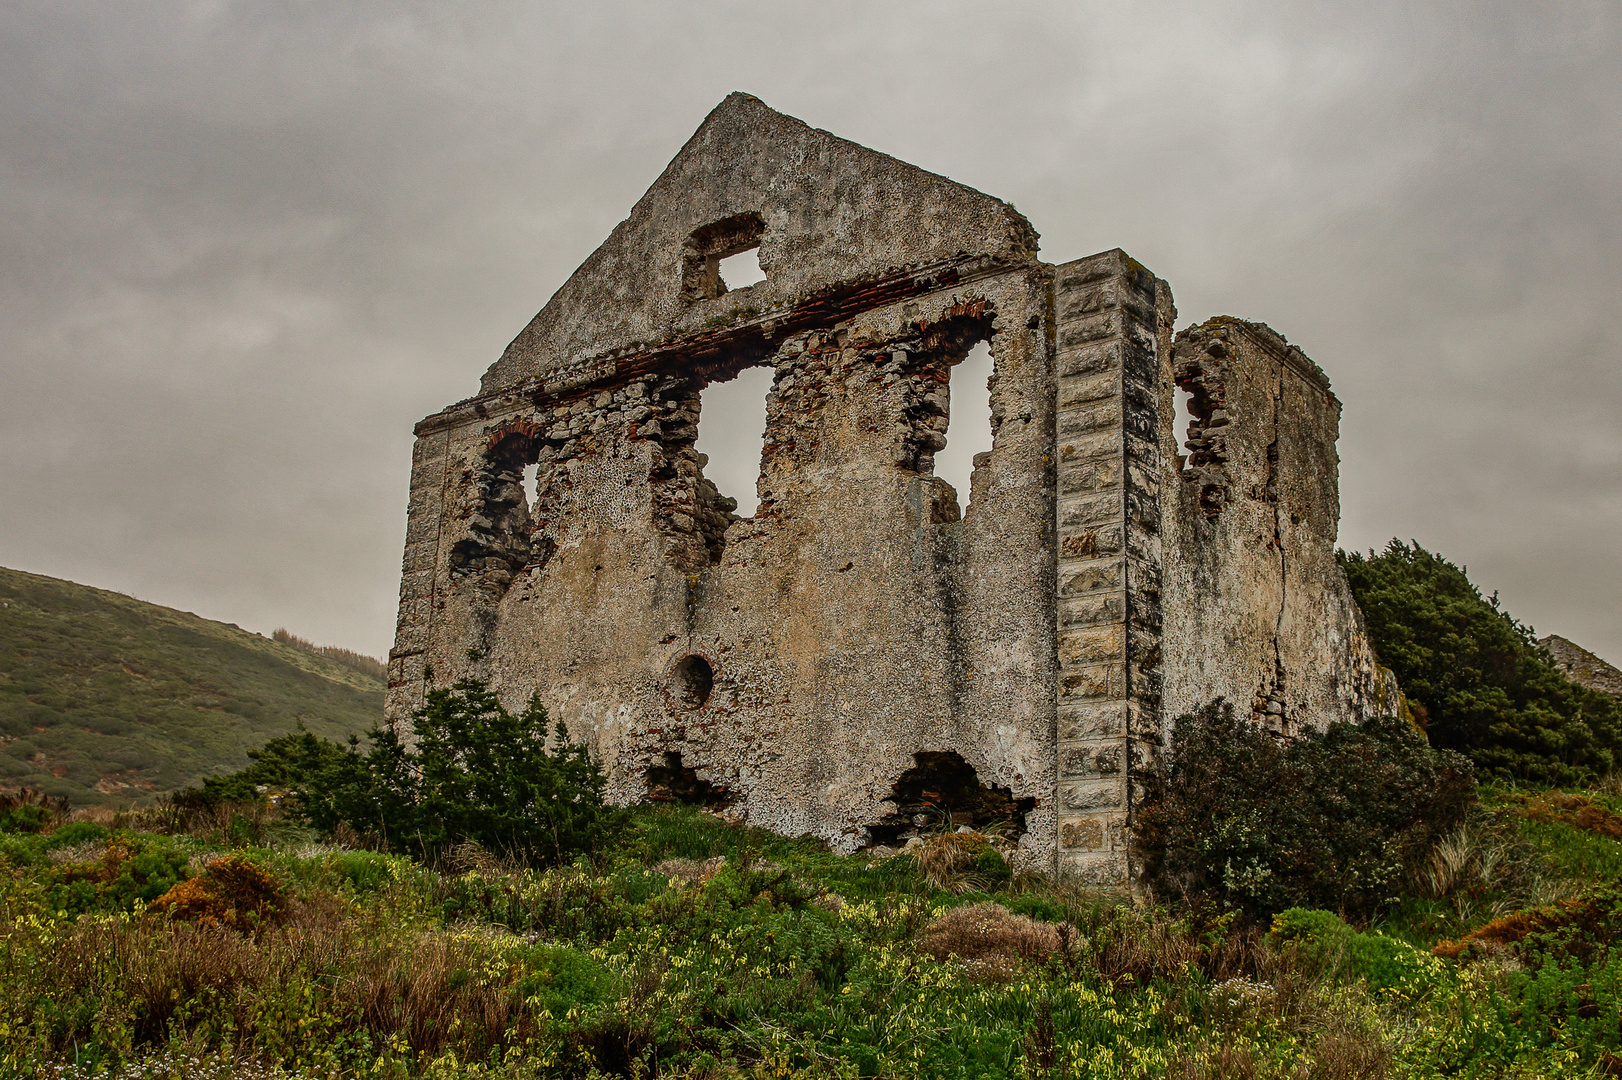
(104, 698)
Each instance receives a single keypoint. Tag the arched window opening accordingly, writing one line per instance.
(968, 431)
(731, 430)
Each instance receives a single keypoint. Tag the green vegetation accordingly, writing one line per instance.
(694, 948)
(107, 699)
(1344, 905)
(367, 665)
(1475, 677)
(1338, 820)
(474, 773)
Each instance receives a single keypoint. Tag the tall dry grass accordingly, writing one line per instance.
(366, 665)
(324, 969)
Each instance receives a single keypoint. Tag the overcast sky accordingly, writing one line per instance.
(247, 245)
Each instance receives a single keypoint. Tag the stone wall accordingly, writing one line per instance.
(870, 637)
(859, 618)
(1256, 610)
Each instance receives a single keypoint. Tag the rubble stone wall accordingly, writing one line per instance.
(860, 617)
(810, 665)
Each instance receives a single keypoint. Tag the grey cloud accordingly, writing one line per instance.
(246, 246)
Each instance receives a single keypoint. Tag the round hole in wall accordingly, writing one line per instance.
(691, 681)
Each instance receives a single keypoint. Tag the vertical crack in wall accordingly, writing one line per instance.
(1270, 705)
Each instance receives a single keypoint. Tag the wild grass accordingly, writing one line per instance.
(704, 949)
(105, 699)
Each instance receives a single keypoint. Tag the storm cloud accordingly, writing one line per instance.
(246, 246)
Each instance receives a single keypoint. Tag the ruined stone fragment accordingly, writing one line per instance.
(874, 655)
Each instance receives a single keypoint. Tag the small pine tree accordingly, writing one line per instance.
(476, 772)
(1477, 677)
(481, 773)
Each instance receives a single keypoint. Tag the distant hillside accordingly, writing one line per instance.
(1582, 666)
(104, 698)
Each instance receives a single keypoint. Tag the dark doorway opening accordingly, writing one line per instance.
(941, 792)
(674, 782)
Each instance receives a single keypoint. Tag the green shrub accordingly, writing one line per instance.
(282, 764)
(134, 867)
(481, 773)
(1326, 941)
(476, 773)
(558, 979)
(1475, 676)
(75, 833)
(364, 871)
(1340, 819)
(28, 811)
(1035, 906)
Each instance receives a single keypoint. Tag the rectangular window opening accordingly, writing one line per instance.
(742, 270)
(731, 431)
(968, 431)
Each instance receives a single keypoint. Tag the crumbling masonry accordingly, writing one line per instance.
(871, 646)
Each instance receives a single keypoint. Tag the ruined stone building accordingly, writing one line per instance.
(871, 645)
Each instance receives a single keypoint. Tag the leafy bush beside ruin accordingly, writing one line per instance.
(1340, 820)
(475, 772)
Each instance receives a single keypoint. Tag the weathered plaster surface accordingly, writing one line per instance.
(1255, 608)
(1042, 626)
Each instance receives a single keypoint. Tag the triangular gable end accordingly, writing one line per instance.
(823, 210)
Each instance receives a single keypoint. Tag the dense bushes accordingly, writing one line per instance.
(1475, 676)
(1338, 820)
(475, 772)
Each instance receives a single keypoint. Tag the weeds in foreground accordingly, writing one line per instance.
(700, 949)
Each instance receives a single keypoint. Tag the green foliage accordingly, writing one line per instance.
(1384, 963)
(1475, 676)
(135, 867)
(364, 871)
(765, 965)
(281, 764)
(1036, 906)
(1339, 819)
(73, 834)
(481, 773)
(29, 811)
(557, 978)
(475, 773)
(106, 699)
